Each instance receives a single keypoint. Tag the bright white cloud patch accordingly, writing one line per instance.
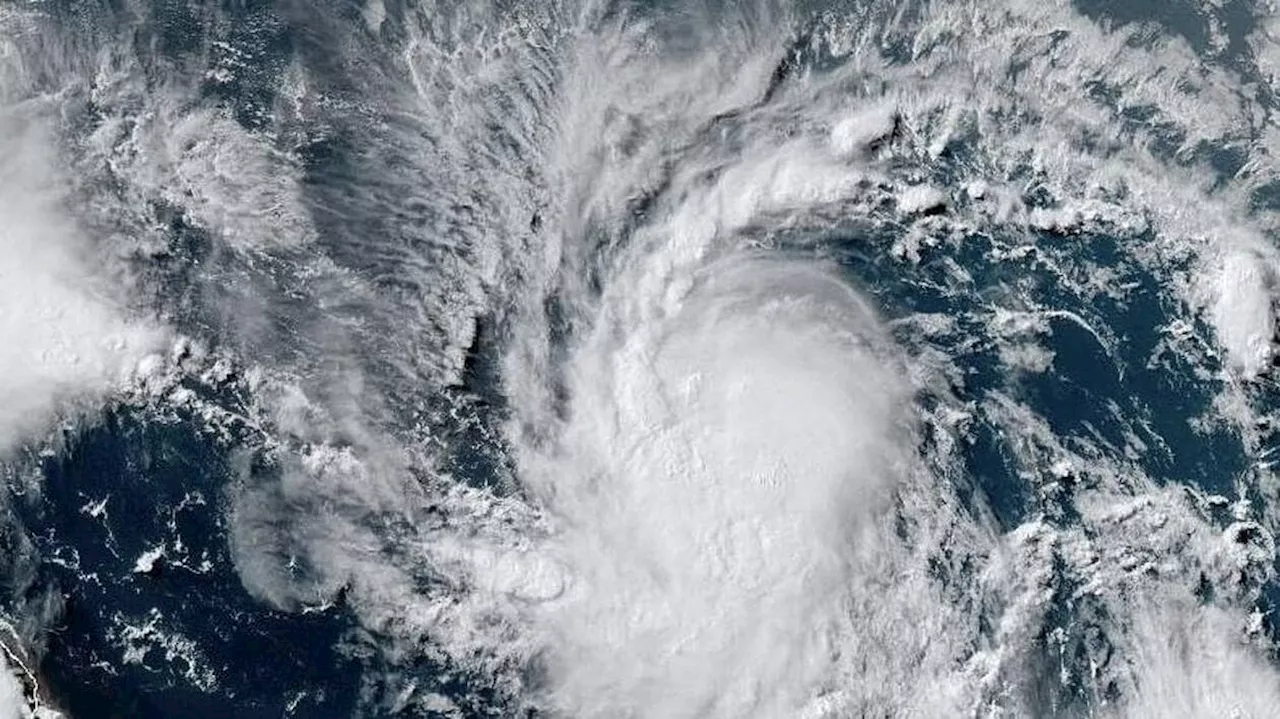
(13, 703)
(862, 129)
(61, 335)
(1193, 662)
(720, 460)
(1243, 312)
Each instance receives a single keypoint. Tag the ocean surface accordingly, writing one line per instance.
(639, 360)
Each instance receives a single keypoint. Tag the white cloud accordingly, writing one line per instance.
(722, 460)
(13, 701)
(1243, 313)
(63, 335)
(730, 422)
(1195, 662)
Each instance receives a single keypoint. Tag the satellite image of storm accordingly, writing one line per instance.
(639, 359)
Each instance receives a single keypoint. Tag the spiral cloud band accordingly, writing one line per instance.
(728, 433)
(641, 360)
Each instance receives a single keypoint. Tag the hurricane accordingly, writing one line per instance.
(646, 360)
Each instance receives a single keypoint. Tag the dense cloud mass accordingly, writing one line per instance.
(645, 360)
